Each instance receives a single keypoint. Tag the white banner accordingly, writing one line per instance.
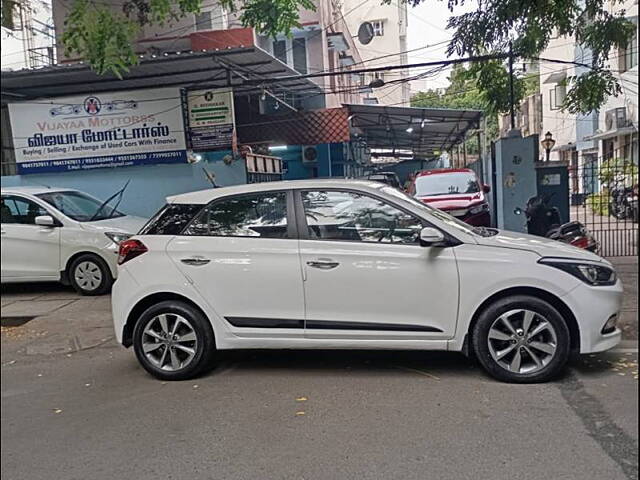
(102, 130)
(211, 119)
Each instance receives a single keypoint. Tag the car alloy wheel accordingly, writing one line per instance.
(87, 275)
(169, 342)
(522, 341)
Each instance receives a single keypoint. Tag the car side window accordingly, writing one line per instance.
(20, 210)
(255, 215)
(343, 215)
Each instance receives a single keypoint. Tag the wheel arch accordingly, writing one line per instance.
(64, 274)
(148, 301)
(555, 301)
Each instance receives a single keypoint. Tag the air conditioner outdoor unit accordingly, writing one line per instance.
(309, 154)
(616, 118)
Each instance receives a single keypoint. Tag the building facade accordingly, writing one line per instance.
(388, 46)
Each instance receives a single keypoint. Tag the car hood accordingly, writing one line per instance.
(449, 202)
(125, 224)
(544, 247)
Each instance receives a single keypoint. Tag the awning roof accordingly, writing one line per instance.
(424, 131)
(197, 69)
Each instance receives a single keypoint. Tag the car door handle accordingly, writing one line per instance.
(323, 264)
(195, 261)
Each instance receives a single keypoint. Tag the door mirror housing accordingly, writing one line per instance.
(46, 221)
(432, 237)
(486, 188)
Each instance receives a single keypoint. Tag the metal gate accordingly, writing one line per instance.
(601, 188)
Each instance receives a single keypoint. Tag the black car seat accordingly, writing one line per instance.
(5, 214)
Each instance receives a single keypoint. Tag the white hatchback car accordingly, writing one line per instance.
(54, 234)
(338, 264)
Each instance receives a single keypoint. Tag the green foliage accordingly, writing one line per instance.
(530, 25)
(464, 92)
(618, 170)
(599, 203)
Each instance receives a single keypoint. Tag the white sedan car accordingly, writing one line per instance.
(338, 264)
(51, 234)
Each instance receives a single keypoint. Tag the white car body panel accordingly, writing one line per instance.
(28, 250)
(257, 277)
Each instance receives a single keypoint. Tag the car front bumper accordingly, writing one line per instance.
(592, 307)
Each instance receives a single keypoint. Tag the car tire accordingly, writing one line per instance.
(174, 341)
(90, 275)
(531, 346)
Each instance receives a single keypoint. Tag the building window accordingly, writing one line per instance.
(280, 50)
(299, 49)
(557, 96)
(378, 27)
(629, 55)
(214, 18)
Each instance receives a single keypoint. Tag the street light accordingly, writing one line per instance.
(548, 143)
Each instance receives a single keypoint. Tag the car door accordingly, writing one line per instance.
(29, 251)
(241, 254)
(365, 273)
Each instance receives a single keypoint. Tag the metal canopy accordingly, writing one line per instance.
(199, 70)
(423, 131)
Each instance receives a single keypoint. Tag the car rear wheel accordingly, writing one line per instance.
(173, 341)
(521, 339)
(90, 275)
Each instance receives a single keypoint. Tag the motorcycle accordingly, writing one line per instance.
(544, 220)
(624, 202)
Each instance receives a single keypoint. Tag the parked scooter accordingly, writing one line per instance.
(624, 202)
(544, 220)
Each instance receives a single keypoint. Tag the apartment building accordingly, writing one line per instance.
(388, 46)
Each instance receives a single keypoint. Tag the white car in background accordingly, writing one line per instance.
(59, 234)
(353, 264)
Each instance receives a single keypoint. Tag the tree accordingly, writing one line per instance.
(103, 36)
(463, 92)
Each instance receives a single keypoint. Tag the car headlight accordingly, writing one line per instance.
(117, 237)
(483, 207)
(590, 273)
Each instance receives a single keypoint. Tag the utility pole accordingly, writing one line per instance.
(511, 92)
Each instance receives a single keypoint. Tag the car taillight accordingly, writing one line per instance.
(580, 242)
(130, 249)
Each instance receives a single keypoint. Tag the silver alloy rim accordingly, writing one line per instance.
(88, 275)
(522, 341)
(169, 342)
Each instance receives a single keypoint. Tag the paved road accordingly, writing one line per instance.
(77, 406)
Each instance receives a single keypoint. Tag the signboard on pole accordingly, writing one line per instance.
(211, 116)
(98, 131)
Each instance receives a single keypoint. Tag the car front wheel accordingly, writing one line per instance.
(90, 275)
(173, 341)
(521, 339)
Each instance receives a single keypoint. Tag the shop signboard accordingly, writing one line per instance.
(98, 131)
(210, 117)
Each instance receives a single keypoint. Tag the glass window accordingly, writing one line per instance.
(203, 20)
(171, 219)
(335, 215)
(80, 206)
(20, 210)
(299, 49)
(256, 215)
(446, 184)
(280, 50)
(630, 53)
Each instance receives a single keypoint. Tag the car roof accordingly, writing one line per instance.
(437, 171)
(34, 190)
(205, 196)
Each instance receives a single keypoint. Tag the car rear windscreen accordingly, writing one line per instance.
(171, 219)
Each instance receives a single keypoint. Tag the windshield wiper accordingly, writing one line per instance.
(106, 202)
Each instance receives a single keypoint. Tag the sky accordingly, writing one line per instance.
(426, 26)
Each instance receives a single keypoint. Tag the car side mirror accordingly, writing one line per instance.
(486, 188)
(431, 237)
(45, 221)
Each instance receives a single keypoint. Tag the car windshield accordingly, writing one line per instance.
(80, 206)
(439, 214)
(446, 184)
